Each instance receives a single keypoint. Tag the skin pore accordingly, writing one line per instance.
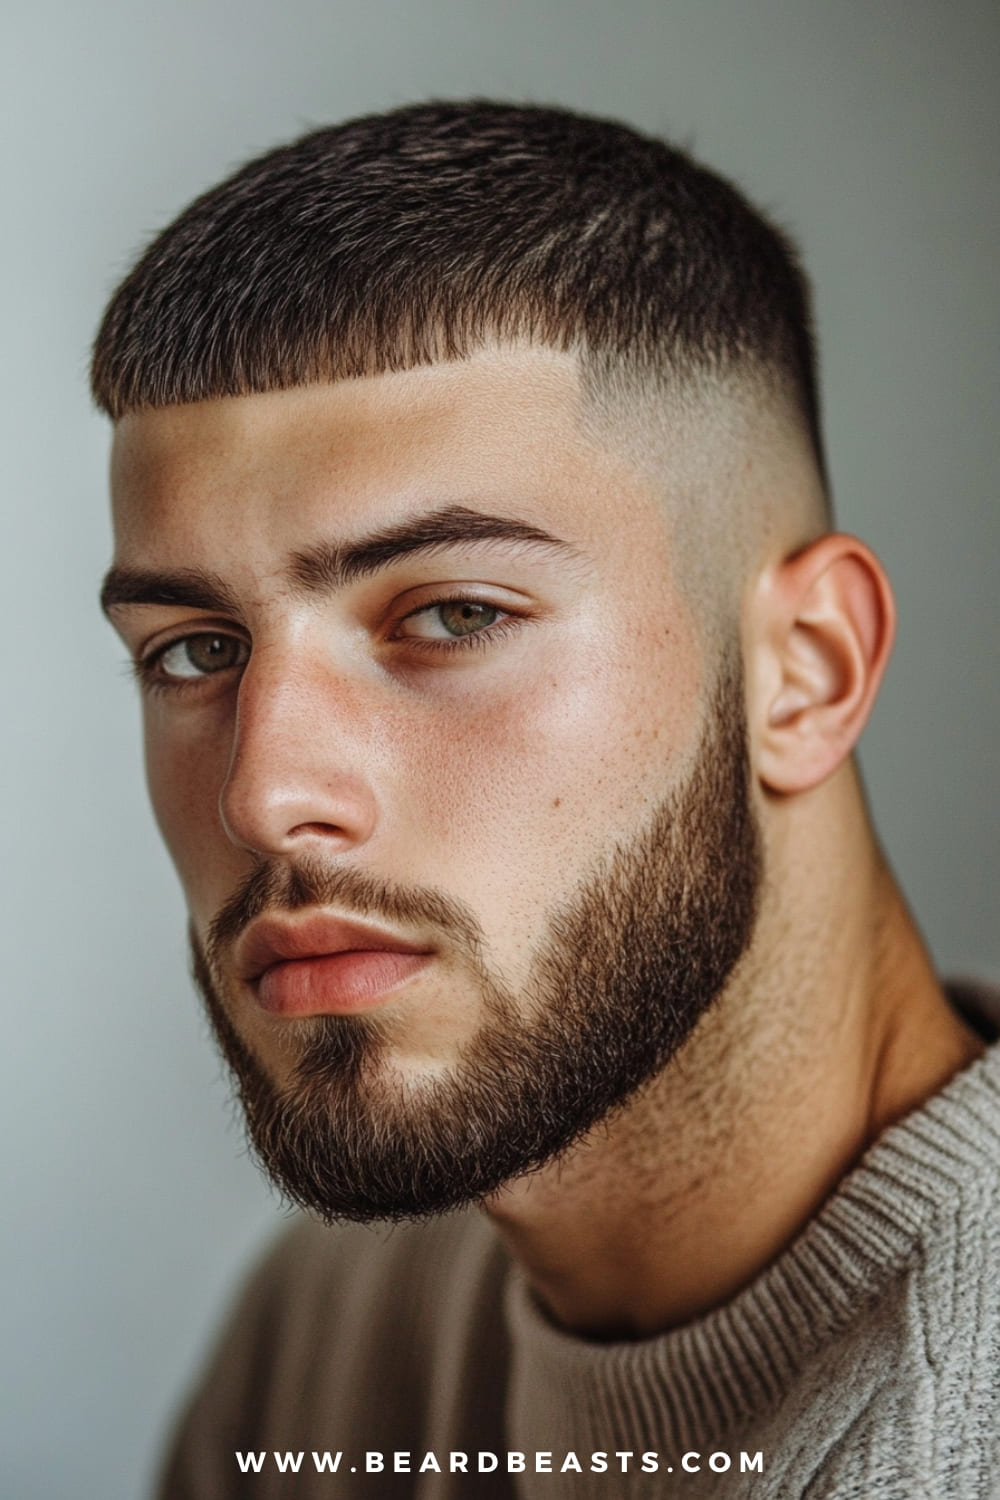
(344, 730)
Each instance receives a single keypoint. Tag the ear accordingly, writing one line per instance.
(823, 629)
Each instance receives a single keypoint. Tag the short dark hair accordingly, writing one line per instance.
(399, 239)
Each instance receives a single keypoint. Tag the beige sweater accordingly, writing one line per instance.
(863, 1365)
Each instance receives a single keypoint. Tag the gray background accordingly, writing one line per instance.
(868, 128)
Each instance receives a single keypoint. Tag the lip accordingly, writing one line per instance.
(280, 940)
(321, 964)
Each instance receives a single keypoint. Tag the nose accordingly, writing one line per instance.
(301, 766)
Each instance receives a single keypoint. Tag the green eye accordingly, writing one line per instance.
(465, 618)
(451, 620)
(202, 655)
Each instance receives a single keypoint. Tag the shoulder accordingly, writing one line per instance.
(911, 1376)
(353, 1334)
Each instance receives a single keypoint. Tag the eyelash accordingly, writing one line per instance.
(475, 640)
(146, 669)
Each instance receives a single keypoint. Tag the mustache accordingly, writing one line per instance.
(279, 885)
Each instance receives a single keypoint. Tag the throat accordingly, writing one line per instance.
(675, 1205)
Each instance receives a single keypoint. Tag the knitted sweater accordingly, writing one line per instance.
(863, 1364)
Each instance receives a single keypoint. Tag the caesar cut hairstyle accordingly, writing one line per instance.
(426, 233)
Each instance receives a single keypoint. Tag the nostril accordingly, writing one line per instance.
(271, 814)
(322, 829)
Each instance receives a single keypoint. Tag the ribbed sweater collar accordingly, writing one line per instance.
(715, 1376)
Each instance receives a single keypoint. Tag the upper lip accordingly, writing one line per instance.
(273, 940)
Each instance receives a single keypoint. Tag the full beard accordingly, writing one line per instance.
(629, 964)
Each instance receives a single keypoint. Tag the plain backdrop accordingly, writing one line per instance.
(868, 127)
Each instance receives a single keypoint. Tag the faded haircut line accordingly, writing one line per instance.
(426, 233)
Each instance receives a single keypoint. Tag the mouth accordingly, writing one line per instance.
(322, 965)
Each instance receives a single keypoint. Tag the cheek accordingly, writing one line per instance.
(516, 791)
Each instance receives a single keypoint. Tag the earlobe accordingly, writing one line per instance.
(825, 629)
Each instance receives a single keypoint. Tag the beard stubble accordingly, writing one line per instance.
(629, 964)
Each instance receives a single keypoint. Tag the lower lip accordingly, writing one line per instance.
(335, 983)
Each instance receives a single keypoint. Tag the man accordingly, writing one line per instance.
(501, 674)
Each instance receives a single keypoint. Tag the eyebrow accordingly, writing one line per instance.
(191, 588)
(330, 565)
(333, 565)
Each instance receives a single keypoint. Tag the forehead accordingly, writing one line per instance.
(503, 429)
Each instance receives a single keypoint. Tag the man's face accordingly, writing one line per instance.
(458, 803)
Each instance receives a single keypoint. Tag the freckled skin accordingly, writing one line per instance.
(497, 776)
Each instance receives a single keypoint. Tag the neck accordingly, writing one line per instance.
(833, 1027)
